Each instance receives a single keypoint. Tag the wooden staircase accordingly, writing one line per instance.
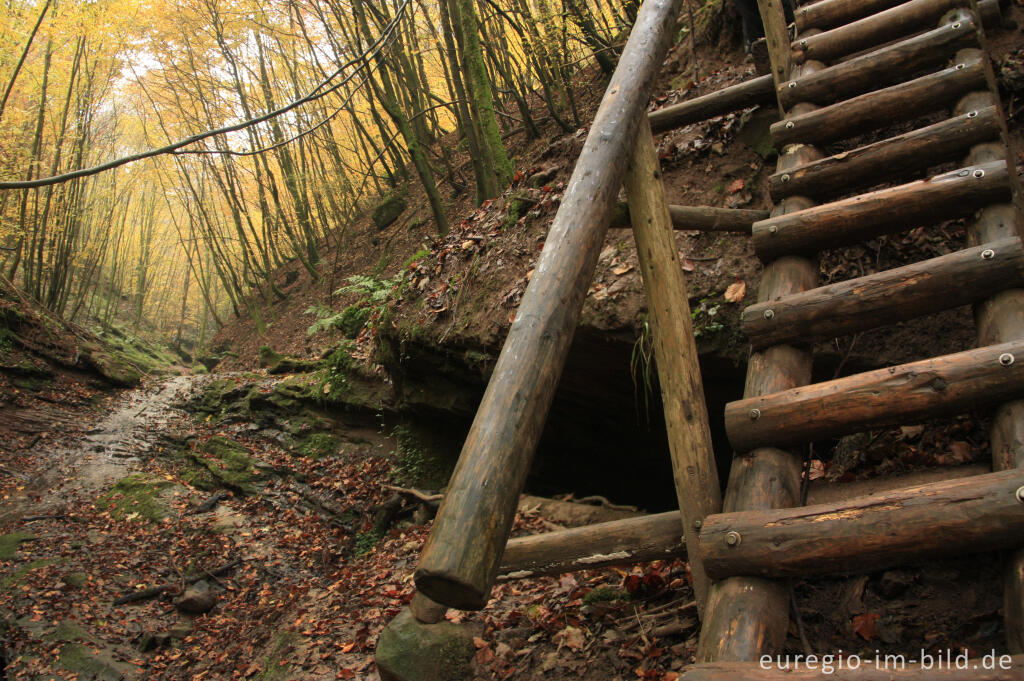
(854, 67)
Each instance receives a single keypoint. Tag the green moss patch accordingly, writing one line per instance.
(388, 210)
(9, 543)
(137, 496)
(18, 576)
(319, 445)
(222, 462)
(275, 662)
(76, 657)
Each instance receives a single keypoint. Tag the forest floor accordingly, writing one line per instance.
(153, 494)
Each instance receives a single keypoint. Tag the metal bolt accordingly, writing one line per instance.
(956, 25)
(697, 524)
(979, 173)
(803, 44)
(733, 538)
(972, 114)
(792, 84)
(790, 125)
(772, 229)
(1020, 494)
(755, 414)
(785, 177)
(1006, 359)
(961, 67)
(963, 173)
(988, 254)
(769, 313)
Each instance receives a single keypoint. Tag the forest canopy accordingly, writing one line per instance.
(318, 109)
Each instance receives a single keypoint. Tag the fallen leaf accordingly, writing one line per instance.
(570, 637)
(736, 185)
(735, 292)
(622, 269)
(864, 625)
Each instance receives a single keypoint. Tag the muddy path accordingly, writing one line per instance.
(106, 452)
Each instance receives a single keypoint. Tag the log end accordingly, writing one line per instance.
(448, 589)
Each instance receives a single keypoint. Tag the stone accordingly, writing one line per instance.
(409, 650)
(180, 630)
(198, 599)
(388, 210)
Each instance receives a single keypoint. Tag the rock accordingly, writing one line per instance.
(409, 650)
(388, 210)
(894, 582)
(197, 599)
(180, 630)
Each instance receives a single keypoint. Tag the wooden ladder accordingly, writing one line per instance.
(890, 61)
(855, 67)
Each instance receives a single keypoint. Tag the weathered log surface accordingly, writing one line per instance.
(891, 24)
(955, 517)
(694, 470)
(617, 542)
(949, 384)
(922, 288)
(700, 218)
(882, 107)
(893, 158)
(760, 90)
(826, 14)
(1012, 670)
(659, 536)
(461, 556)
(862, 217)
(884, 66)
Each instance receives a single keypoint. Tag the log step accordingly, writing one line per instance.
(889, 668)
(884, 107)
(943, 197)
(972, 515)
(896, 157)
(760, 90)
(884, 66)
(628, 541)
(826, 14)
(897, 395)
(885, 26)
(967, 276)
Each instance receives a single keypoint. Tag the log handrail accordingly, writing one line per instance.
(461, 557)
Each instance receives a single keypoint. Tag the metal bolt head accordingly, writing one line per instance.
(772, 229)
(988, 254)
(972, 114)
(785, 177)
(733, 538)
(961, 67)
(979, 173)
(1020, 494)
(769, 313)
(803, 44)
(792, 84)
(790, 125)
(755, 414)
(1006, 359)
(697, 524)
(955, 26)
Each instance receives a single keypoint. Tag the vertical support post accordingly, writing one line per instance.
(998, 320)
(675, 350)
(776, 34)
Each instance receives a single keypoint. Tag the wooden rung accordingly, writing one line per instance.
(878, 29)
(699, 218)
(871, 533)
(659, 537)
(950, 384)
(617, 542)
(760, 90)
(883, 107)
(922, 288)
(943, 197)
(999, 667)
(890, 64)
(826, 14)
(888, 159)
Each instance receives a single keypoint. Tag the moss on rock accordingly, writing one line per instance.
(388, 210)
(9, 543)
(138, 495)
(409, 650)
